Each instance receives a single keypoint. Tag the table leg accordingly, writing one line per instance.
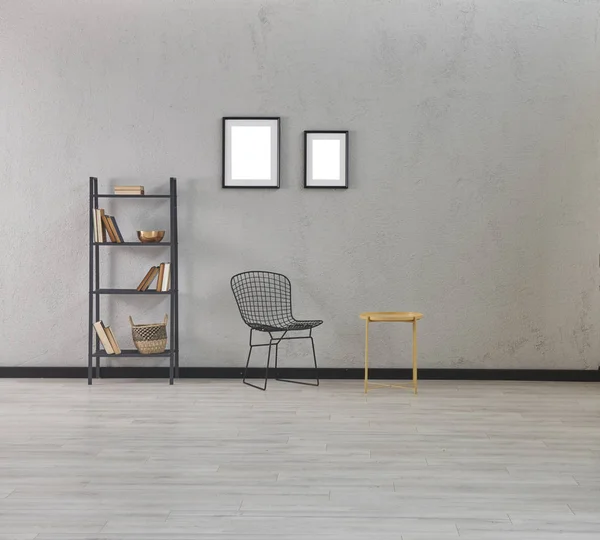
(414, 355)
(367, 356)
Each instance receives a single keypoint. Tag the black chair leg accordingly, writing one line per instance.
(247, 362)
(263, 388)
(315, 362)
(312, 342)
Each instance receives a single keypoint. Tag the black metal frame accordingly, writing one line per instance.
(265, 303)
(347, 159)
(224, 138)
(95, 292)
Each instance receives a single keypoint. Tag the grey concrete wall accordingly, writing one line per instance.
(474, 171)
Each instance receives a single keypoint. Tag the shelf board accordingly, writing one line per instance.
(132, 244)
(113, 196)
(131, 353)
(131, 291)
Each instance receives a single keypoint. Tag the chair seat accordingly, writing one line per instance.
(287, 327)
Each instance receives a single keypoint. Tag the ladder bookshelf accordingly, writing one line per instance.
(96, 292)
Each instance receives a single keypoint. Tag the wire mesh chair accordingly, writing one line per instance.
(265, 303)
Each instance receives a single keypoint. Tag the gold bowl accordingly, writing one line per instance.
(148, 237)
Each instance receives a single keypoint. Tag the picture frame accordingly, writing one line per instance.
(326, 159)
(251, 152)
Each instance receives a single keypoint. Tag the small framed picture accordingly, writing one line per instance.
(251, 152)
(326, 159)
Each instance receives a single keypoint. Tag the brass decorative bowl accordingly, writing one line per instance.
(149, 237)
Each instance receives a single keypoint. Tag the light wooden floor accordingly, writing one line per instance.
(216, 459)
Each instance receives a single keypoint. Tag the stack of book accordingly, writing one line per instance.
(106, 228)
(163, 283)
(107, 338)
(129, 190)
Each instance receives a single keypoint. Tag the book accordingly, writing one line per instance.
(100, 330)
(140, 287)
(148, 279)
(106, 223)
(112, 231)
(113, 341)
(99, 228)
(155, 270)
(102, 231)
(159, 281)
(95, 216)
(113, 222)
(166, 277)
(129, 190)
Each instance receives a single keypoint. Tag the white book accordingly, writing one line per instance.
(100, 226)
(166, 277)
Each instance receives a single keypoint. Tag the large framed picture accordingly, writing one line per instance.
(326, 159)
(251, 152)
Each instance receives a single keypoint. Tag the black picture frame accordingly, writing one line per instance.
(345, 160)
(228, 183)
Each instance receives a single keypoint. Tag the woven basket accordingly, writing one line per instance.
(149, 338)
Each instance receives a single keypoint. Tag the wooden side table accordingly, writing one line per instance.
(391, 316)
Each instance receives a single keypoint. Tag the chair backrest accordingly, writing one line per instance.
(263, 298)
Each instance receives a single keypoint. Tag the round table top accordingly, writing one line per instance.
(392, 316)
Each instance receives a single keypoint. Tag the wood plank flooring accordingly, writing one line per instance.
(216, 459)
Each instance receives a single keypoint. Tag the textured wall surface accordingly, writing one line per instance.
(475, 131)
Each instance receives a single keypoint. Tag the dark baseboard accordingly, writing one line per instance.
(572, 375)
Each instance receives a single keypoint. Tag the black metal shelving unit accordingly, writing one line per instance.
(96, 292)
